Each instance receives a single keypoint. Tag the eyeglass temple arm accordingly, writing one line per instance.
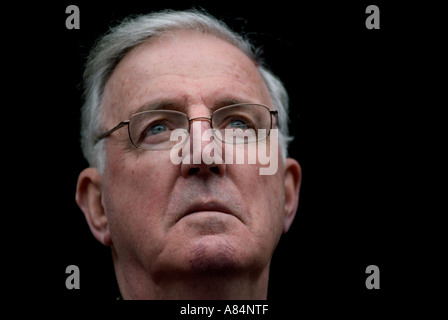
(105, 134)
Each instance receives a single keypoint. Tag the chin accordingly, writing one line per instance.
(215, 253)
(211, 243)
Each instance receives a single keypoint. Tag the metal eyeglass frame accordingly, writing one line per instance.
(127, 122)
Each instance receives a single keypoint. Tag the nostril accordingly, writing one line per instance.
(193, 171)
(196, 170)
(214, 169)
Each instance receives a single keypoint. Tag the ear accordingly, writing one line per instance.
(89, 199)
(293, 177)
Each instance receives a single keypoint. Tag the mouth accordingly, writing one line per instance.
(207, 207)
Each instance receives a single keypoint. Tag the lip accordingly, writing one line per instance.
(209, 206)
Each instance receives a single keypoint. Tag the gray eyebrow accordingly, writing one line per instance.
(161, 105)
(226, 102)
(180, 106)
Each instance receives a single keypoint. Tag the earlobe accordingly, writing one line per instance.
(293, 178)
(89, 199)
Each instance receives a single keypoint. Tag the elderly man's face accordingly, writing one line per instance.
(164, 219)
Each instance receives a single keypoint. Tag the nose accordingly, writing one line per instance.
(206, 152)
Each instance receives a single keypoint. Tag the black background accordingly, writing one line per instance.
(358, 115)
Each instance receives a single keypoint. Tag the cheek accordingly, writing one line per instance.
(136, 190)
(135, 180)
(264, 197)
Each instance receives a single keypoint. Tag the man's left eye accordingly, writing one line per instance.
(238, 124)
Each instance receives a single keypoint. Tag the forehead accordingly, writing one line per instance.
(184, 67)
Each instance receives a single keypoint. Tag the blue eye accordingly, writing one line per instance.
(157, 129)
(238, 124)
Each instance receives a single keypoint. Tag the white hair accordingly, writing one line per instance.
(131, 32)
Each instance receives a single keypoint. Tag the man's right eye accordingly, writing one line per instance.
(154, 133)
(156, 129)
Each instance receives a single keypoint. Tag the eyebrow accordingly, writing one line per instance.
(180, 106)
(226, 102)
(160, 105)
